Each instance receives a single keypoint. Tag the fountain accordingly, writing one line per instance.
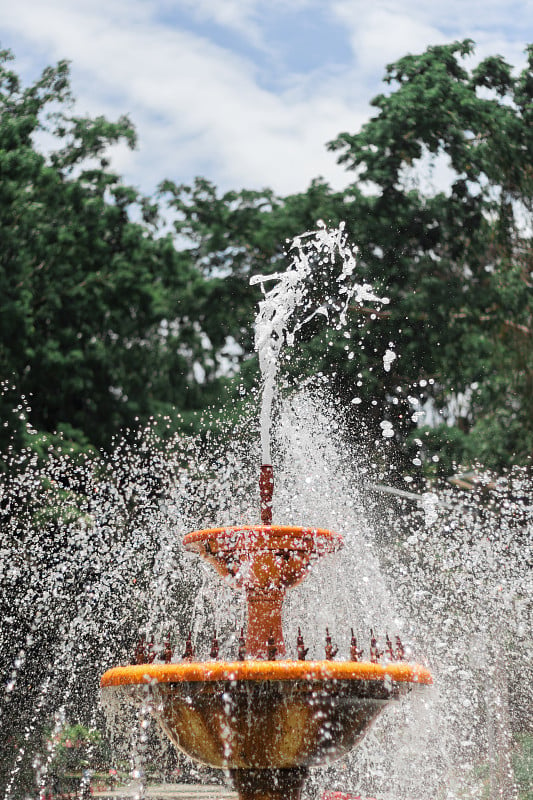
(265, 718)
(90, 561)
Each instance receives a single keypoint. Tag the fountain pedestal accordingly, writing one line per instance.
(269, 784)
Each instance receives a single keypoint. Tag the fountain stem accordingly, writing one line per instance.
(264, 622)
(269, 784)
(266, 489)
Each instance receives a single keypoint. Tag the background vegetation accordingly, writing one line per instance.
(108, 319)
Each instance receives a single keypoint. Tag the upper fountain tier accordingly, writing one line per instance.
(265, 560)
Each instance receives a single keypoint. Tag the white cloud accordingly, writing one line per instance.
(381, 32)
(194, 103)
(236, 15)
(201, 108)
(241, 16)
(384, 30)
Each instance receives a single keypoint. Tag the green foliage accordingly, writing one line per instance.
(77, 752)
(119, 324)
(72, 746)
(457, 264)
(523, 766)
(100, 316)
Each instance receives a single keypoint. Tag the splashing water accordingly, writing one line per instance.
(91, 558)
(456, 585)
(316, 256)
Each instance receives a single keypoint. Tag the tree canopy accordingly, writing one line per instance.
(100, 314)
(106, 321)
(459, 261)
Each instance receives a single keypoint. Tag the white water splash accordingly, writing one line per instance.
(315, 255)
(90, 558)
(388, 357)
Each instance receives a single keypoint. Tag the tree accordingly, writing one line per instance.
(99, 315)
(456, 336)
(458, 263)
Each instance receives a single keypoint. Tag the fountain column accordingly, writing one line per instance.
(264, 623)
(264, 601)
(266, 490)
(269, 784)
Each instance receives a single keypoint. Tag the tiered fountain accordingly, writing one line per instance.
(264, 717)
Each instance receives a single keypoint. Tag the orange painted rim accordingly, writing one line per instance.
(265, 671)
(269, 532)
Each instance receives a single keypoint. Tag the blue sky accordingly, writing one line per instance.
(245, 93)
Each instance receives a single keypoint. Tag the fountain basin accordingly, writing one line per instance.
(264, 715)
(263, 556)
(265, 561)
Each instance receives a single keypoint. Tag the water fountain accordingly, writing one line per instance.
(90, 560)
(266, 720)
(264, 717)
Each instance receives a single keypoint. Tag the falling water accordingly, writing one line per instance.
(91, 558)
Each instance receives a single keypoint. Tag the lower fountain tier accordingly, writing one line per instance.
(264, 715)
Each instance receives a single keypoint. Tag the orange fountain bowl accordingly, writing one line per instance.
(263, 556)
(264, 714)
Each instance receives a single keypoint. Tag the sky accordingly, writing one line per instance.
(242, 92)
